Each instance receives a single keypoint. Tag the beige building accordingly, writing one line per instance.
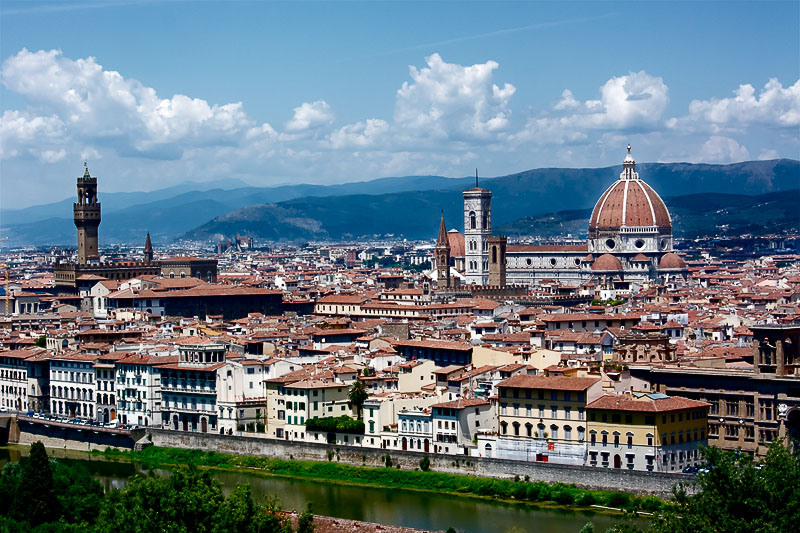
(640, 431)
(543, 418)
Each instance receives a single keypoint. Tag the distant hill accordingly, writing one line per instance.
(528, 194)
(693, 215)
(405, 206)
(168, 213)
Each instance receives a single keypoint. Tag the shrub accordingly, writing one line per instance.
(586, 499)
(618, 499)
(425, 464)
(340, 424)
(564, 497)
(651, 504)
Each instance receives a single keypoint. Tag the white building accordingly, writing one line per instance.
(457, 423)
(138, 389)
(72, 385)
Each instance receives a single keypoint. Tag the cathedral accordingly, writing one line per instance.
(629, 243)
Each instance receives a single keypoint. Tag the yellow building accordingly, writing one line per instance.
(642, 431)
(543, 418)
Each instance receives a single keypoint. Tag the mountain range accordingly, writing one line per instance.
(545, 202)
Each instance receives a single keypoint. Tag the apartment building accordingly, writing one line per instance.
(646, 431)
(543, 418)
(456, 424)
(72, 386)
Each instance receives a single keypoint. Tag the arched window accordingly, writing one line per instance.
(472, 220)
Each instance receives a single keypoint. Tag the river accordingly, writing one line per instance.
(422, 510)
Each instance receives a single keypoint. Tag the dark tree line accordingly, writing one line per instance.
(736, 495)
(45, 496)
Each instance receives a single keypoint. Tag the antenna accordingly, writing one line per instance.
(476, 177)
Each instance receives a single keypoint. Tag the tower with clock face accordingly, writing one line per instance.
(477, 230)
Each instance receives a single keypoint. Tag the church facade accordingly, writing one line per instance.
(629, 242)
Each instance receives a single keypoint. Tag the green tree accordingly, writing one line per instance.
(41, 342)
(357, 396)
(36, 499)
(738, 496)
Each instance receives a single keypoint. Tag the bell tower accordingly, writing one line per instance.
(477, 230)
(442, 254)
(86, 213)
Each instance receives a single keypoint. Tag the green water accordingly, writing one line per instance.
(399, 507)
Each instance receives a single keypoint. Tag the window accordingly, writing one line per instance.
(553, 411)
(567, 412)
(567, 433)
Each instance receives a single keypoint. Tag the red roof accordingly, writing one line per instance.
(625, 402)
(632, 199)
(526, 381)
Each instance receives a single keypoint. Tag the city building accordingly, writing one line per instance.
(646, 431)
(543, 418)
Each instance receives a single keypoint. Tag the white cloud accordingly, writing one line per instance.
(449, 101)
(92, 103)
(767, 154)
(52, 156)
(774, 106)
(718, 149)
(310, 116)
(360, 134)
(635, 102)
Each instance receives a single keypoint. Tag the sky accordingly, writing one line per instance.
(154, 94)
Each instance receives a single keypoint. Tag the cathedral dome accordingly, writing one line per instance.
(629, 202)
(671, 261)
(607, 262)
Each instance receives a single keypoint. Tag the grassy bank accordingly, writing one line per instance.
(518, 489)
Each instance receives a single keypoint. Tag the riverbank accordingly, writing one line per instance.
(517, 491)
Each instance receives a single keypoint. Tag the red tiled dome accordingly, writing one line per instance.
(607, 262)
(629, 202)
(671, 261)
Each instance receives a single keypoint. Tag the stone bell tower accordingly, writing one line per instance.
(86, 213)
(442, 255)
(477, 230)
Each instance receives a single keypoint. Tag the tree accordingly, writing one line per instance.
(738, 496)
(357, 396)
(41, 341)
(36, 499)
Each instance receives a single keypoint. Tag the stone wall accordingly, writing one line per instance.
(81, 438)
(638, 482)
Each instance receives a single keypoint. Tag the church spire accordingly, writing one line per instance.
(442, 241)
(148, 249)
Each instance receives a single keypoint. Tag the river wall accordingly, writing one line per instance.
(633, 481)
(70, 436)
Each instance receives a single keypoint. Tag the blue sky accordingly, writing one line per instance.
(157, 93)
